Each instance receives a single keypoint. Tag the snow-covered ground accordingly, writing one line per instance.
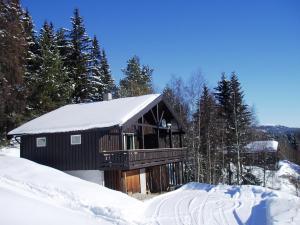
(197, 203)
(34, 194)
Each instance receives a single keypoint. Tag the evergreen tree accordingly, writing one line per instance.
(222, 96)
(79, 59)
(12, 58)
(138, 79)
(107, 80)
(51, 86)
(239, 121)
(32, 64)
(240, 116)
(64, 45)
(95, 77)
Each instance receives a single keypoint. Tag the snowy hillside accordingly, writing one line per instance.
(34, 194)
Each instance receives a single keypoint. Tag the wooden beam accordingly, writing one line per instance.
(121, 138)
(160, 183)
(157, 126)
(180, 140)
(175, 131)
(155, 120)
(143, 135)
(161, 117)
(171, 139)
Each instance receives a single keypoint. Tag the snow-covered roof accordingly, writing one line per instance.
(258, 146)
(86, 116)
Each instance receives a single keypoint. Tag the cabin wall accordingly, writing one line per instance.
(60, 154)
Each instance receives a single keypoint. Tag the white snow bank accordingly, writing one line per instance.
(18, 209)
(53, 189)
(258, 146)
(87, 115)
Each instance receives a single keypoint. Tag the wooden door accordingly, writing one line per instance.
(132, 180)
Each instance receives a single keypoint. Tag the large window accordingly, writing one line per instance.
(41, 142)
(76, 139)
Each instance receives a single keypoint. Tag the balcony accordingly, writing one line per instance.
(140, 158)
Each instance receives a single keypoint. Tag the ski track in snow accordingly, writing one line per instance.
(203, 207)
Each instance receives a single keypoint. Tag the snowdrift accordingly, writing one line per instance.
(30, 192)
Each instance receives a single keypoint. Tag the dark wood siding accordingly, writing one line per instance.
(60, 154)
(109, 140)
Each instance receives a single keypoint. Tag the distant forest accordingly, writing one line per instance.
(41, 71)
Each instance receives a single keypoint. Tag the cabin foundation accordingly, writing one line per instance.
(95, 176)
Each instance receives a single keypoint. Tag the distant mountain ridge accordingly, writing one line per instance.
(278, 129)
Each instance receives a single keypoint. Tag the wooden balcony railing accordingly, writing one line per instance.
(139, 158)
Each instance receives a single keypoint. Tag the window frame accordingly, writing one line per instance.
(37, 142)
(71, 139)
(125, 136)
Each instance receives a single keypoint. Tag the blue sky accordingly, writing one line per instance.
(260, 40)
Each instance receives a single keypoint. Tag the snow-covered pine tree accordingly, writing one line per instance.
(51, 86)
(222, 95)
(79, 58)
(95, 75)
(138, 79)
(239, 121)
(108, 82)
(32, 65)
(12, 58)
(63, 45)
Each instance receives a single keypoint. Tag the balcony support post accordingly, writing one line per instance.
(160, 179)
(180, 138)
(143, 135)
(157, 115)
(121, 138)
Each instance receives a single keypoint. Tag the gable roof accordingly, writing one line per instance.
(86, 116)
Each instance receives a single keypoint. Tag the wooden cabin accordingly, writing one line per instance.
(129, 144)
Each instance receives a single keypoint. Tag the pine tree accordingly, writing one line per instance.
(79, 59)
(95, 77)
(32, 66)
(12, 58)
(222, 96)
(63, 45)
(108, 82)
(239, 121)
(138, 79)
(51, 86)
